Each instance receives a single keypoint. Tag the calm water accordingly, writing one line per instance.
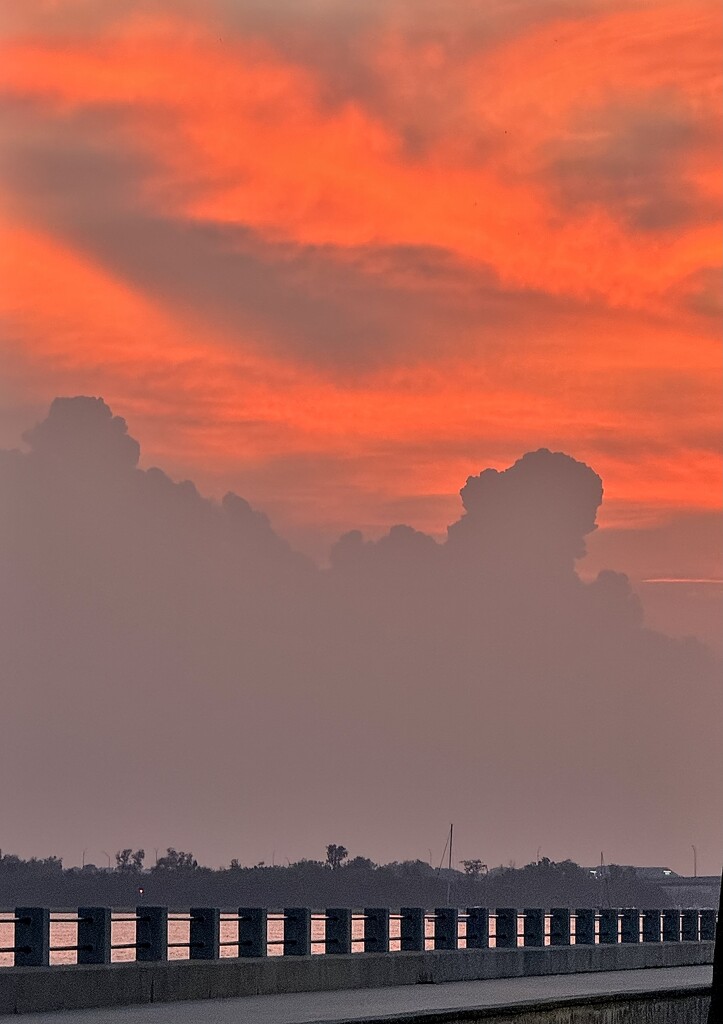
(65, 933)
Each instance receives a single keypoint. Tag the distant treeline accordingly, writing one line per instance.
(177, 880)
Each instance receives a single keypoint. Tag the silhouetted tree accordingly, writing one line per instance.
(360, 864)
(36, 865)
(129, 860)
(123, 859)
(176, 860)
(335, 855)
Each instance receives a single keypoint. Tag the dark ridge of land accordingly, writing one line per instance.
(179, 881)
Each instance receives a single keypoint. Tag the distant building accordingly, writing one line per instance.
(680, 890)
(654, 874)
(645, 874)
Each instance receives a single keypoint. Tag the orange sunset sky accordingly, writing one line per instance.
(337, 255)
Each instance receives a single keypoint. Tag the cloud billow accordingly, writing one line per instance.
(180, 674)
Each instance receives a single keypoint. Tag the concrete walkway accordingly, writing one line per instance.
(378, 1004)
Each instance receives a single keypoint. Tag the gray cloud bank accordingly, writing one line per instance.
(174, 673)
(344, 309)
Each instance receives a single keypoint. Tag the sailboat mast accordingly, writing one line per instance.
(449, 876)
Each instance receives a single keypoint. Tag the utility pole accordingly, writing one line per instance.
(695, 860)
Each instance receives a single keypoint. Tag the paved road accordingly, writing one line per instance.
(363, 1004)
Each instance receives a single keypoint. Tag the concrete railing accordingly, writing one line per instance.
(208, 933)
(205, 953)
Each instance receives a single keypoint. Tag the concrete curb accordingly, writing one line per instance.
(38, 989)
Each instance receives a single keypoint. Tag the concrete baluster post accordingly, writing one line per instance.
(94, 935)
(151, 933)
(376, 930)
(478, 928)
(32, 937)
(560, 926)
(533, 927)
(446, 927)
(609, 917)
(689, 927)
(506, 928)
(297, 931)
(338, 930)
(252, 932)
(651, 926)
(584, 927)
(671, 925)
(204, 933)
(707, 925)
(412, 928)
(630, 925)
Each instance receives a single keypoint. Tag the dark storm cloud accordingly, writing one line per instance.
(201, 683)
(338, 307)
(545, 505)
(631, 161)
(83, 433)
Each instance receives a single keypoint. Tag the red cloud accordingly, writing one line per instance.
(352, 142)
